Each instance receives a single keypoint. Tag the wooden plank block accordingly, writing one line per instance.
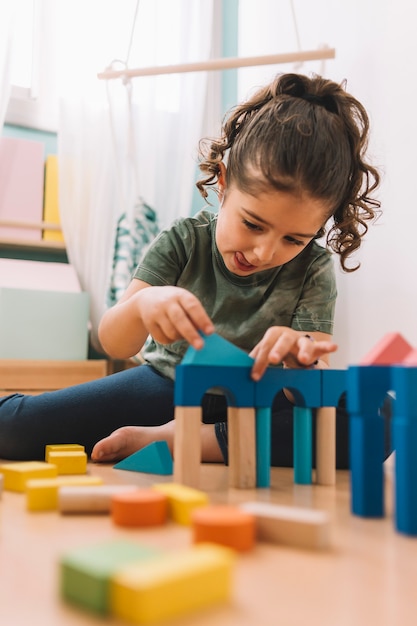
(293, 526)
(16, 374)
(242, 447)
(42, 493)
(89, 499)
(187, 445)
(172, 585)
(326, 445)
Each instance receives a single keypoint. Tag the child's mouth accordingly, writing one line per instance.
(242, 264)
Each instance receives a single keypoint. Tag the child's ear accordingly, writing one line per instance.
(221, 179)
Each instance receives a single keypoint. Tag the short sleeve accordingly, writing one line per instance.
(165, 258)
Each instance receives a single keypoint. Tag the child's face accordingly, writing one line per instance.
(256, 233)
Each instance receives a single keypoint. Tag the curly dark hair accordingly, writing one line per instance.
(302, 135)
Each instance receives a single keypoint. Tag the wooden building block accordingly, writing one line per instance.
(42, 493)
(69, 461)
(326, 445)
(17, 474)
(89, 499)
(299, 527)
(172, 585)
(155, 458)
(85, 573)
(187, 445)
(62, 447)
(242, 447)
(182, 500)
(225, 525)
(142, 507)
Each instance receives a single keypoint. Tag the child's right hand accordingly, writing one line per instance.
(172, 313)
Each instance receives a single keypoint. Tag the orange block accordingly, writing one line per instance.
(225, 525)
(141, 507)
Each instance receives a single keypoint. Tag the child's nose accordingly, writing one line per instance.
(265, 251)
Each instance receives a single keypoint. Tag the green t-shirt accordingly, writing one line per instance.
(300, 294)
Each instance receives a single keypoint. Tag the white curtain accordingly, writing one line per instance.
(6, 28)
(119, 142)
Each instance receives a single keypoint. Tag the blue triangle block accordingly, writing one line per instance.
(152, 459)
(217, 351)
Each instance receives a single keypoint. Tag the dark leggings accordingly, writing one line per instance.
(138, 396)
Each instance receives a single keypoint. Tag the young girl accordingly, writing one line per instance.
(289, 167)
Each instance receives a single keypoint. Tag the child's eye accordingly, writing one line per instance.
(251, 225)
(295, 242)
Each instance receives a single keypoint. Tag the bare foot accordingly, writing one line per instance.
(129, 439)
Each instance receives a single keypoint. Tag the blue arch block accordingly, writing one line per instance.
(192, 382)
(333, 385)
(304, 384)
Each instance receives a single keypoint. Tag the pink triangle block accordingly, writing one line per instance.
(390, 350)
(411, 358)
(152, 459)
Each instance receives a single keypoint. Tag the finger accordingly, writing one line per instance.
(264, 355)
(185, 326)
(196, 313)
(314, 350)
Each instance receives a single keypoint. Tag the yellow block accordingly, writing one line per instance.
(62, 447)
(173, 584)
(51, 199)
(17, 474)
(42, 494)
(69, 462)
(182, 500)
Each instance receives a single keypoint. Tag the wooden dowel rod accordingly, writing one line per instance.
(222, 64)
(29, 225)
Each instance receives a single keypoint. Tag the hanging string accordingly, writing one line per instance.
(132, 32)
(131, 143)
(298, 65)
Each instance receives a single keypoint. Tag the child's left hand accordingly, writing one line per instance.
(296, 349)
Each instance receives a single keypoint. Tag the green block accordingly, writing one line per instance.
(86, 572)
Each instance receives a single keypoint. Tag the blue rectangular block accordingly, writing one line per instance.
(367, 386)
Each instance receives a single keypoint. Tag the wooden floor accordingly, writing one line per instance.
(368, 578)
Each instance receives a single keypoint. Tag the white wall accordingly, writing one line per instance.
(376, 50)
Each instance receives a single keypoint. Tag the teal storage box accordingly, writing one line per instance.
(40, 324)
